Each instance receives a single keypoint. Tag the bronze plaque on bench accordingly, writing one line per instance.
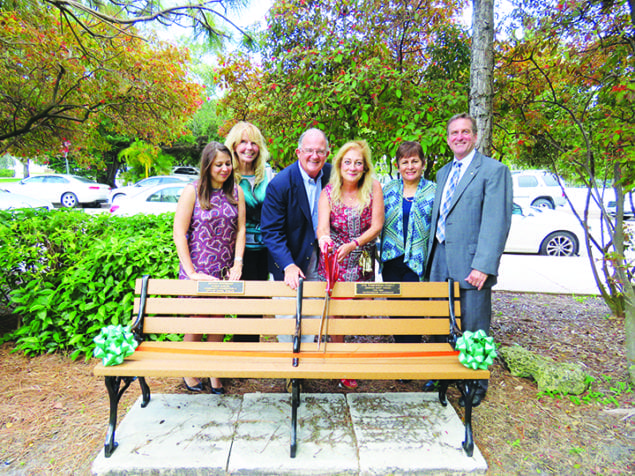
(377, 289)
(221, 287)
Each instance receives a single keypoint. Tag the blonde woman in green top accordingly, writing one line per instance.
(250, 156)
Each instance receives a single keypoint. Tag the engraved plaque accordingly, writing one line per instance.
(221, 287)
(377, 289)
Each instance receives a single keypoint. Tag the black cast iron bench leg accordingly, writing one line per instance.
(295, 403)
(443, 389)
(114, 395)
(145, 392)
(468, 394)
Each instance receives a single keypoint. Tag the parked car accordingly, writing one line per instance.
(185, 170)
(629, 206)
(544, 231)
(146, 183)
(538, 188)
(67, 190)
(15, 201)
(150, 201)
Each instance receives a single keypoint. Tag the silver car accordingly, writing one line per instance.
(629, 206)
(145, 184)
(538, 188)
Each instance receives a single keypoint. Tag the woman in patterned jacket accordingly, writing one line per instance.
(408, 208)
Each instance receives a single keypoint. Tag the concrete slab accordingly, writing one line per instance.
(184, 434)
(326, 443)
(399, 433)
(365, 434)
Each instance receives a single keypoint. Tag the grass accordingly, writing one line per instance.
(618, 390)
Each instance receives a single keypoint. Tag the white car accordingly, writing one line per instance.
(537, 188)
(67, 190)
(544, 231)
(150, 201)
(146, 183)
(15, 201)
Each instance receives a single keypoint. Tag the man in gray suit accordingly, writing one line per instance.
(471, 217)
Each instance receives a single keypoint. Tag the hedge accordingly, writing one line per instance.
(66, 274)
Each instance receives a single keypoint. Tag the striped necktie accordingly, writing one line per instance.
(447, 200)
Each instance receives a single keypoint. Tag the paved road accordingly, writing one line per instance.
(546, 274)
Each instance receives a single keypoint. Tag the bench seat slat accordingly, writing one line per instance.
(254, 326)
(168, 365)
(278, 288)
(310, 307)
(190, 359)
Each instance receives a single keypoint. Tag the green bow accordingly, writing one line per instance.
(477, 350)
(114, 343)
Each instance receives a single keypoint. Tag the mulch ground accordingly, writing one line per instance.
(53, 412)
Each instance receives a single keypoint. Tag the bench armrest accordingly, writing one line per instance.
(455, 332)
(298, 323)
(137, 325)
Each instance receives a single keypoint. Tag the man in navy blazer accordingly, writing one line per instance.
(470, 226)
(289, 215)
(289, 212)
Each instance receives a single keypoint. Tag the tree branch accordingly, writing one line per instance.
(196, 13)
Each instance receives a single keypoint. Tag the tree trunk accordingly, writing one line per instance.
(629, 334)
(623, 274)
(482, 72)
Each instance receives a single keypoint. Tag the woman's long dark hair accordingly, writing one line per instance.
(210, 152)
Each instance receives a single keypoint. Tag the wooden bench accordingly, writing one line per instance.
(162, 307)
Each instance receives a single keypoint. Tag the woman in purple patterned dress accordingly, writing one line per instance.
(350, 217)
(209, 232)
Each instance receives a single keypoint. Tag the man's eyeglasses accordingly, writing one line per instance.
(319, 152)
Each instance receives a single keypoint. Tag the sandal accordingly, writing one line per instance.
(196, 388)
(348, 383)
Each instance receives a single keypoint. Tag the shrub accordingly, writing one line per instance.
(66, 274)
(7, 173)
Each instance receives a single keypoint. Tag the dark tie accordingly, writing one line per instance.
(447, 200)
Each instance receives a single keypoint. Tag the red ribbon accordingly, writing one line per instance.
(308, 355)
(331, 269)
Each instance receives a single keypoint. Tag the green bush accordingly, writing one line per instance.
(66, 274)
(7, 173)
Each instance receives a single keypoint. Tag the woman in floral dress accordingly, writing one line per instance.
(350, 217)
(209, 232)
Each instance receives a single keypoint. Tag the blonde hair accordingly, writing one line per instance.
(365, 184)
(254, 135)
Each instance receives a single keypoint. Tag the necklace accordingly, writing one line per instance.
(409, 199)
(348, 198)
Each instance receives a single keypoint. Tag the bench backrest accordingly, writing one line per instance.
(168, 301)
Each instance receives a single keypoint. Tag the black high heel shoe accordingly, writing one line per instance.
(196, 388)
(217, 391)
